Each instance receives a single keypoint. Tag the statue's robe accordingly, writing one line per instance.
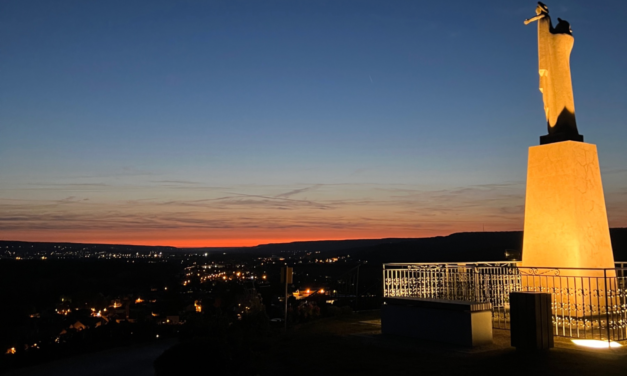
(555, 82)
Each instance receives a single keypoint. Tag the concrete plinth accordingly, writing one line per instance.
(565, 216)
(456, 322)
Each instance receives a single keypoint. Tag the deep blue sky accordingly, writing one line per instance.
(297, 117)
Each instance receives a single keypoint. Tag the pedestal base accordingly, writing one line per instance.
(551, 138)
(565, 217)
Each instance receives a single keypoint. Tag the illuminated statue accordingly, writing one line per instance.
(554, 47)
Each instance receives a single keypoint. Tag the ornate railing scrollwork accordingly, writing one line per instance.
(538, 271)
(585, 303)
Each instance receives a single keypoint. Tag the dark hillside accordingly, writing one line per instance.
(464, 246)
(325, 245)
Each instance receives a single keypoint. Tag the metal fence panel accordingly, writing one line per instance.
(586, 303)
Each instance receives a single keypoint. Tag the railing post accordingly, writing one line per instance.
(477, 279)
(384, 284)
(357, 290)
(607, 313)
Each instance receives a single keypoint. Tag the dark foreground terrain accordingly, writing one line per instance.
(352, 345)
(135, 360)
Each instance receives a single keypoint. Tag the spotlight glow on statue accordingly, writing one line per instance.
(554, 47)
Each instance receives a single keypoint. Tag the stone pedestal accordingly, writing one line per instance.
(565, 217)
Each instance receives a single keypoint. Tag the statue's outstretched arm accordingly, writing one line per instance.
(540, 16)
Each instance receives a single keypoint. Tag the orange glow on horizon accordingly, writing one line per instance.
(217, 243)
(231, 239)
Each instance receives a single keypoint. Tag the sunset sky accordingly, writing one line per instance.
(230, 123)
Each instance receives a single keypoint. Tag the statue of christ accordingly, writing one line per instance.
(554, 47)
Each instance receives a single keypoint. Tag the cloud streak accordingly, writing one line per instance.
(296, 191)
(334, 210)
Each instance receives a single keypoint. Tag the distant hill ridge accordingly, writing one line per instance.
(463, 246)
(24, 248)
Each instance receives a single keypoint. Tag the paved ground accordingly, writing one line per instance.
(501, 341)
(127, 361)
(355, 346)
(372, 334)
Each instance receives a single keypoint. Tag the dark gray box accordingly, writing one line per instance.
(449, 321)
(530, 320)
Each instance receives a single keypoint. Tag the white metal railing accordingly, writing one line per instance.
(586, 303)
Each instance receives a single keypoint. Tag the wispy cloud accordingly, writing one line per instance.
(614, 171)
(296, 191)
(185, 182)
(277, 211)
